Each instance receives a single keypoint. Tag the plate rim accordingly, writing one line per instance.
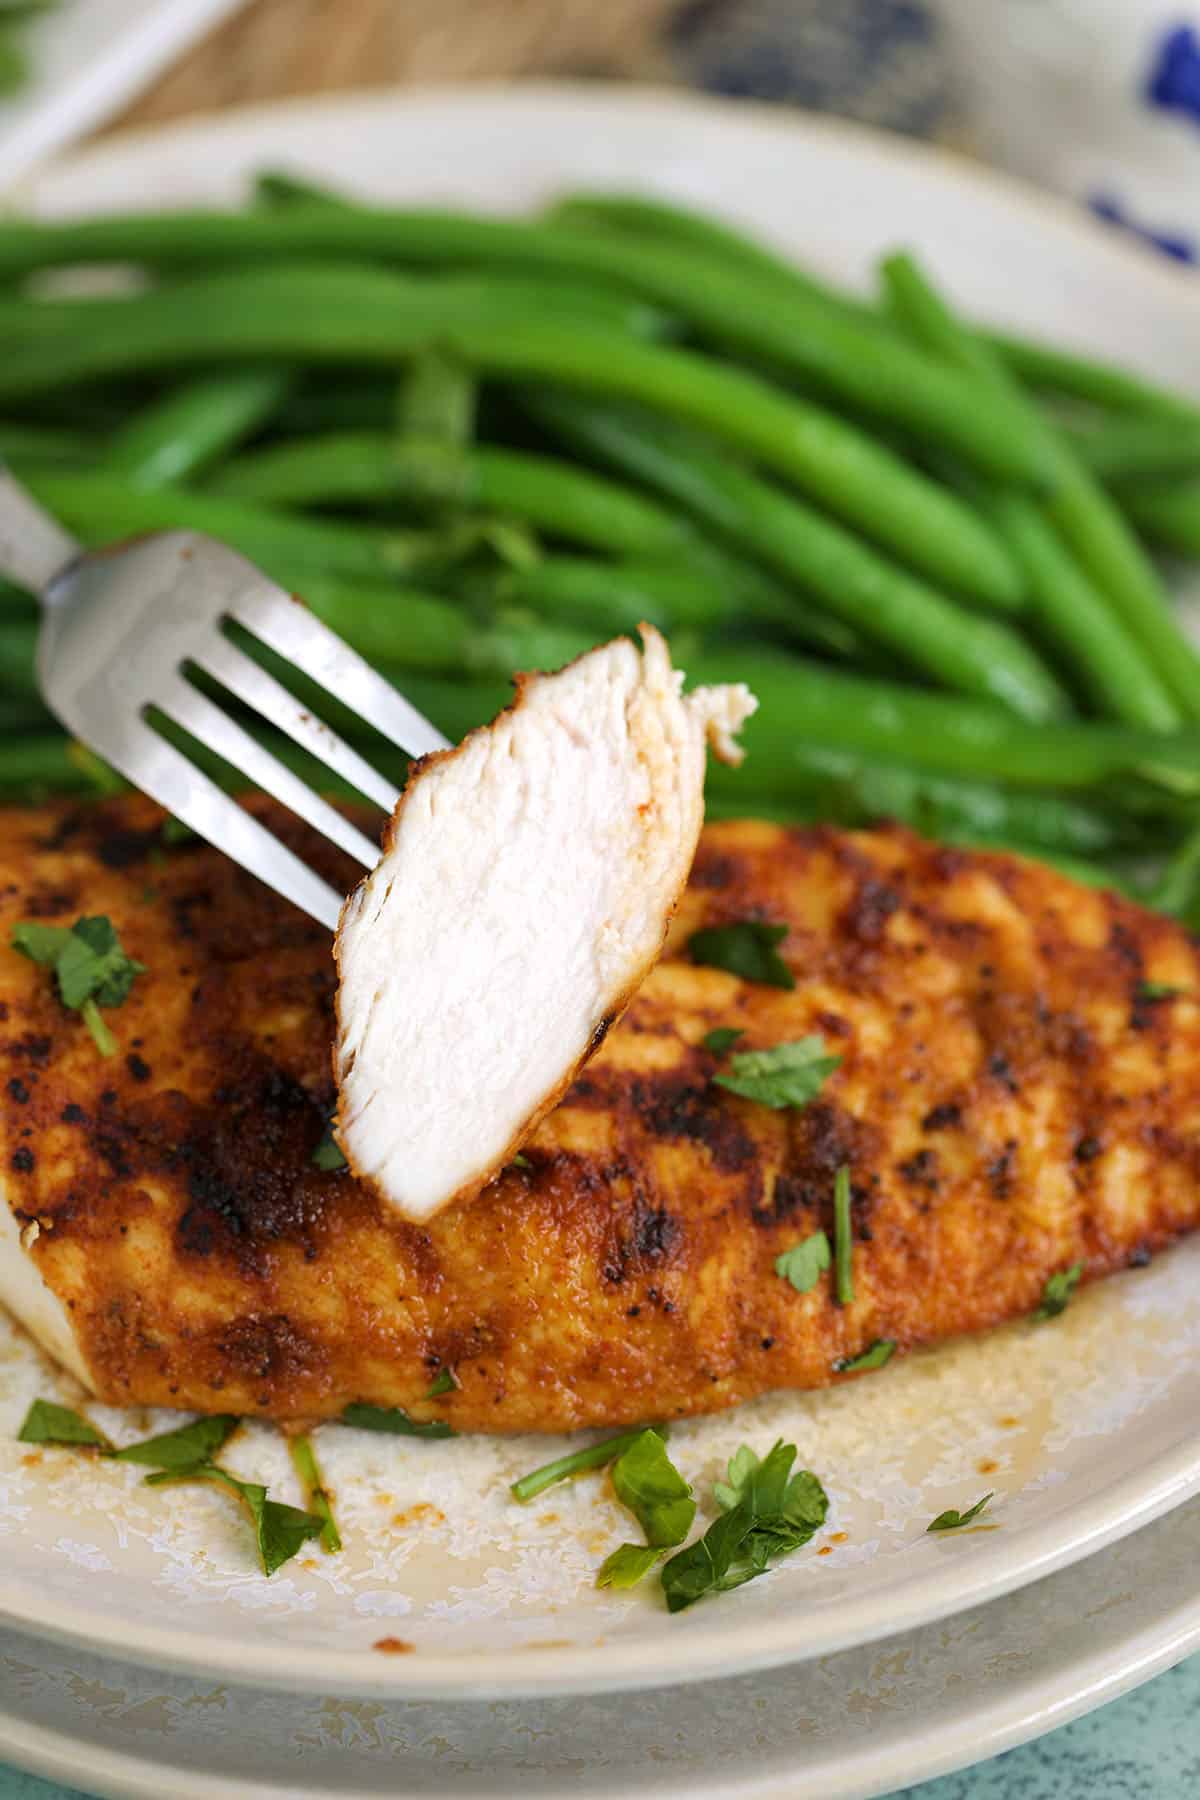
(975, 1735)
(1123, 1506)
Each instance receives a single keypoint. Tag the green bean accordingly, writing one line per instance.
(1168, 514)
(339, 315)
(556, 497)
(1076, 505)
(1178, 889)
(660, 219)
(1076, 620)
(32, 442)
(1086, 377)
(18, 641)
(436, 400)
(327, 313)
(19, 714)
(855, 359)
(1125, 449)
(937, 731)
(407, 629)
(100, 508)
(883, 603)
(1078, 868)
(36, 762)
(846, 788)
(194, 425)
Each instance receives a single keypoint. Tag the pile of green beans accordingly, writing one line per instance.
(476, 445)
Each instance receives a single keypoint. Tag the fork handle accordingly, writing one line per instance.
(34, 548)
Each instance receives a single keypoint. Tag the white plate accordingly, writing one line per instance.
(1086, 1429)
(861, 1723)
(88, 58)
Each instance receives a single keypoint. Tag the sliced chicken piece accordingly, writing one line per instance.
(526, 885)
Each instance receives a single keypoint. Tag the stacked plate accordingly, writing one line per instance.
(459, 1646)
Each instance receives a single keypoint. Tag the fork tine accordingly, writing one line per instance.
(164, 773)
(226, 738)
(271, 700)
(287, 626)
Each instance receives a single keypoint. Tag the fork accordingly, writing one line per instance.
(120, 628)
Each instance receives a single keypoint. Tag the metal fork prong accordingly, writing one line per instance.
(226, 738)
(287, 626)
(272, 701)
(169, 777)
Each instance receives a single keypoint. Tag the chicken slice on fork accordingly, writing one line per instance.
(527, 882)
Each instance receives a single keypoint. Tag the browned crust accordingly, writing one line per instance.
(1009, 1103)
(522, 684)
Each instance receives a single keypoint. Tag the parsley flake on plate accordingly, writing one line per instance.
(578, 1462)
(787, 1075)
(48, 1423)
(805, 1262)
(1148, 992)
(951, 1520)
(279, 1531)
(316, 1494)
(723, 1038)
(442, 1383)
(1056, 1295)
(773, 1513)
(91, 968)
(649, 1484)
(747, 949)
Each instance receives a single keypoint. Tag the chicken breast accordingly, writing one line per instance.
(1011, 1099)
(526, 885)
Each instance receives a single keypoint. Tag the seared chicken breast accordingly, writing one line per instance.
(1012, 1098)
(527, 880)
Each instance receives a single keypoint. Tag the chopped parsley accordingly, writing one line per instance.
(722, 1039)
(745, 948)
(316, 1495)
(183, 1447)
(279, 1531)
(773, 1512)
(577, 1462)
(184, 1454)
(649, 1484)
(47, 1423)
(442, 1383)
(843, 1238)
(951, 1520)
(805, 1262)
(1056, 1295)
(787, 1075)
(395, 1420)
(1147, 992)
(89, 964)
(873, 1357)
(328, 1154)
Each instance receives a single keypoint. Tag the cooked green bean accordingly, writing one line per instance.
(1178, 890)
(30, 442)
(1076, 504)
(275, 187)
(1077, 621)
(857, 360)
(883, 603)
(18, 640)
(846, 788)
(556, 497)
(937, 731)
(192, 426)
(1168, 514)
(100, 508)
(357, 315)
(436, 399)
(1086, 377)
(1125, 449)
(661, 219)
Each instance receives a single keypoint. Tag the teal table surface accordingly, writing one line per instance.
(1145, 1746)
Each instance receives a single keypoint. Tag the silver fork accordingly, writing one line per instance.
(118, 627)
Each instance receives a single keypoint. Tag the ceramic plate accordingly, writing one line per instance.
(1085, 1429)
(843, 1727)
